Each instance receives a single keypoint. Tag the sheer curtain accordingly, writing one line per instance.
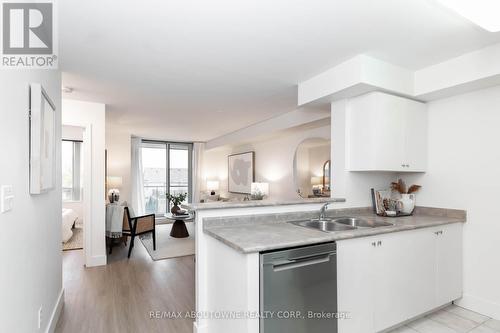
(198, 150)
(137, 195)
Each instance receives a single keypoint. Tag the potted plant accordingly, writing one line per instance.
(176, 200)
(407, 195)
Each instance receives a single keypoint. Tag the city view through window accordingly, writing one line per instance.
(159, 180)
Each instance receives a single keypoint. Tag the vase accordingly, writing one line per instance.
(407, 203)
(175, 209)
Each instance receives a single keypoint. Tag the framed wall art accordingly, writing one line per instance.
(241, 172)
(42, 140)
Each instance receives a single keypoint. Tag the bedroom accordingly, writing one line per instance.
(72, 187)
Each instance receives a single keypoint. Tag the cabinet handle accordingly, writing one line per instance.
(407, 165)
(379, 243)
(403, 165)
(374, 244)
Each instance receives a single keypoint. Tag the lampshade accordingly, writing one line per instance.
(316, 181)
(259, 190)
(114, 182)
(212, 185)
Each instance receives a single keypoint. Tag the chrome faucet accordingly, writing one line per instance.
(323, 209)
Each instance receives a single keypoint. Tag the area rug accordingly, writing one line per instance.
(76, 241)
(169, 247)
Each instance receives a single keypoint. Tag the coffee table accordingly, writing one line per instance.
(179, 229)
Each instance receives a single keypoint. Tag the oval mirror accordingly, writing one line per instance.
(311, 168)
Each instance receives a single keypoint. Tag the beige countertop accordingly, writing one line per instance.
(249, 234)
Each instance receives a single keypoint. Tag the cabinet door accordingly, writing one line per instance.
(361, 149)
(404, 277)
(376, 132)
(388, 122)
(355, 284)
(415, 123)
(449, 264)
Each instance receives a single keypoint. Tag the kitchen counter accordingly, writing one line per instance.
(257, 203)
(250, 234)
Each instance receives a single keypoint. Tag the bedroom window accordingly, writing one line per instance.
(71, 158)
(166, 169)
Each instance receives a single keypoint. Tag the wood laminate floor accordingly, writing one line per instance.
(120, 296)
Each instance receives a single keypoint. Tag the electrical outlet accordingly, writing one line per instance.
(40, 313)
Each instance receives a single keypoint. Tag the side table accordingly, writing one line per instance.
(179, 229)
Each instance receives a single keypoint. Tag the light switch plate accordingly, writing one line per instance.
(6, 198)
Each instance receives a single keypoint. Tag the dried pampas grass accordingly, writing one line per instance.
(400, 186)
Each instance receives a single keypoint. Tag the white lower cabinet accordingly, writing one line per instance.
(355, 284)
(449, 263)
(387, 279)
(404, 276)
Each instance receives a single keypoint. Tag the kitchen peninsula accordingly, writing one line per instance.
(377, 268)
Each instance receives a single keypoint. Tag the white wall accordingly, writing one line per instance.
(273, 162)
(464, 173)
(72, 133)
(91, 116)
(292, 119)
(30, 240)
(119, 159)
(303, 170)
(318, 156)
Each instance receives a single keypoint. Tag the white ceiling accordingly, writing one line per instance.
(194, 70)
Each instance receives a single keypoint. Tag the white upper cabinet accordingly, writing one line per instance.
(386, 133)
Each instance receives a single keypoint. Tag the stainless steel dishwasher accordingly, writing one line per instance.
(298, 290)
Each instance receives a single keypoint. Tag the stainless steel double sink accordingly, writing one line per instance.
(340, 224)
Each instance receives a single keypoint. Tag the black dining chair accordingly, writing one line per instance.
(138, 225)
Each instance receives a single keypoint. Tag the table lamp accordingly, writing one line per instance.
(114, 182)
(317, 185)
(212, 186)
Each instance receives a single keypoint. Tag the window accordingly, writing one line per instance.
(71, 157)
(166, 169)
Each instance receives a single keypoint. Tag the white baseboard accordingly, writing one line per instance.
(96, 261)
(56, 313)
(480, 305)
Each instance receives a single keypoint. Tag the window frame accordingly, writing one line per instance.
(168, 145)
(73, 182)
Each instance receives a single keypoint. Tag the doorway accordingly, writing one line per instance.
(73, 222)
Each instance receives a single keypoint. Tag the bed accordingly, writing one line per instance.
(69, 218)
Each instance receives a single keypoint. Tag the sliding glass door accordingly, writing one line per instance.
(154, 166)
(179, 158)
(166, 169)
